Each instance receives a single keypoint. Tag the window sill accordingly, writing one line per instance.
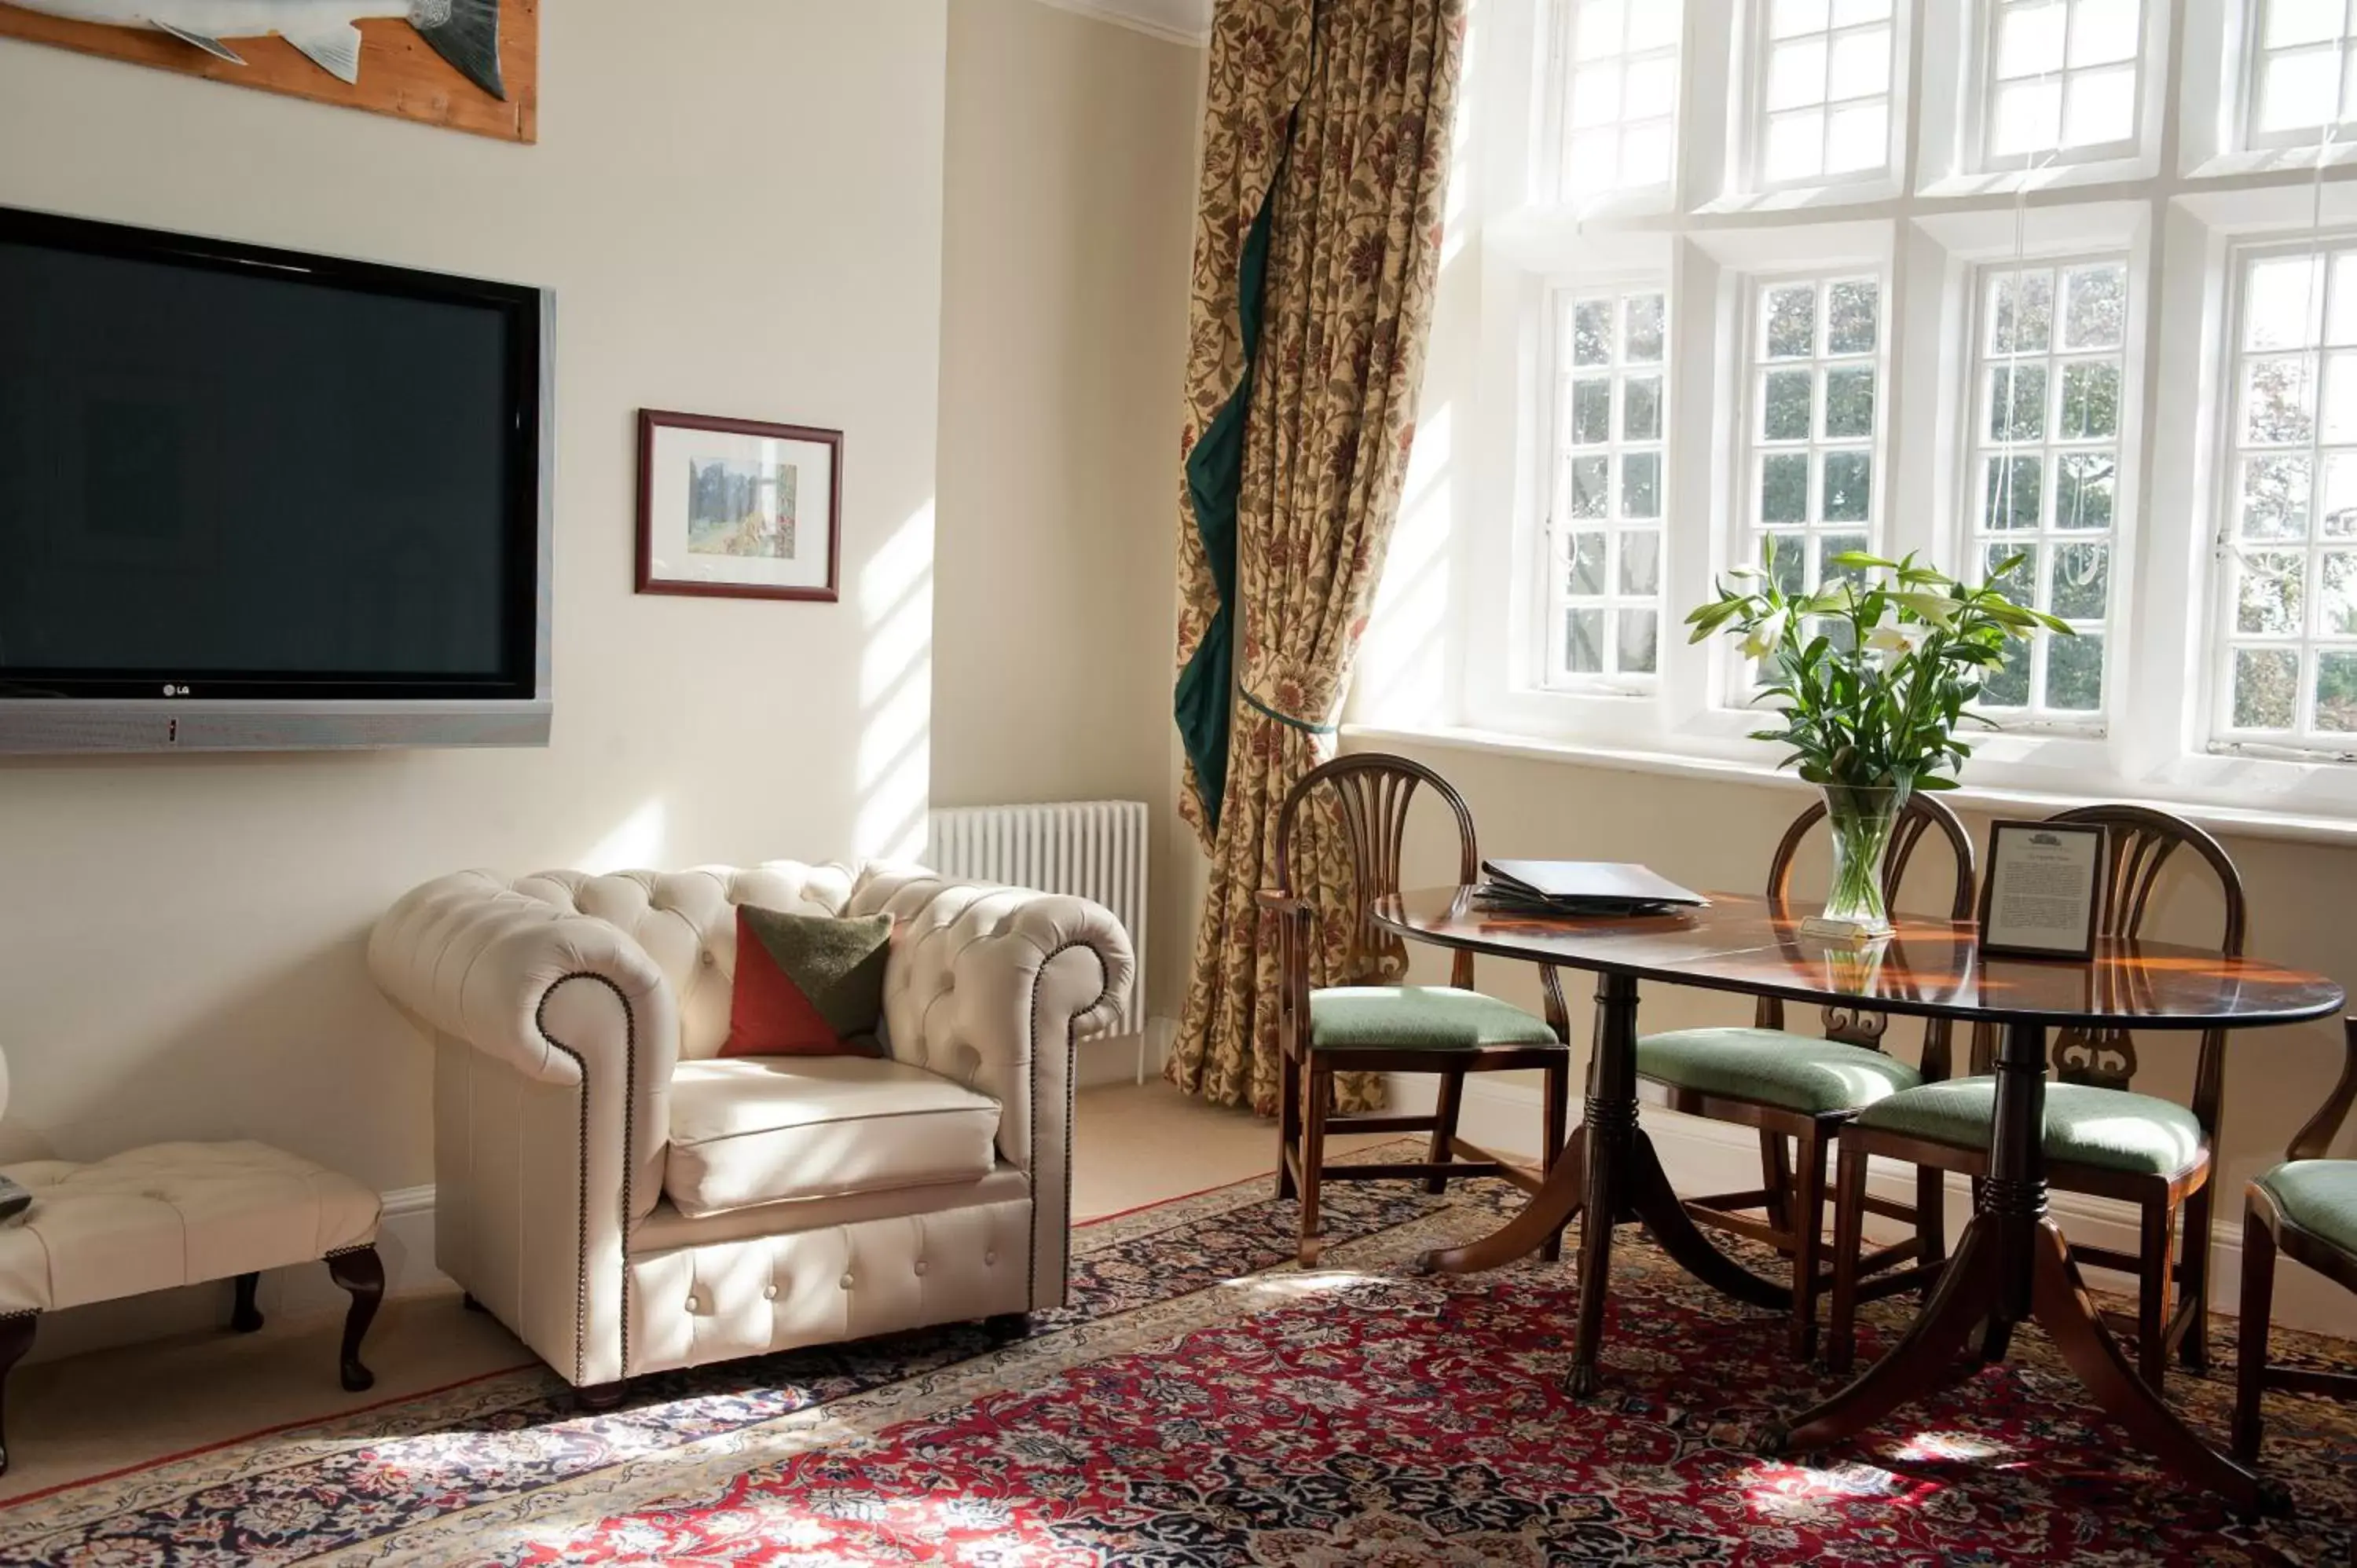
(2226, 819)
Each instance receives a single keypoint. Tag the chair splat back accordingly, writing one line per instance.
(1861, 1026)
(2139, 844)
(1368, 795)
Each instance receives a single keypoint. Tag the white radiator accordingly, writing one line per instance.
(1096, 849)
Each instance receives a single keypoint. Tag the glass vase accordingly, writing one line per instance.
(1861, 820)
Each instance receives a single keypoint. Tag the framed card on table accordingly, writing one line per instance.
(2044, 895)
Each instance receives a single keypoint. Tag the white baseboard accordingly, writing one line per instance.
(1716, 1157)
(405, 1240)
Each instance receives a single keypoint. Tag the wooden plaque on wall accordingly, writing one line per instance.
(400, 73)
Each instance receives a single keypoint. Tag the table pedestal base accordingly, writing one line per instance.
(1970, 1293)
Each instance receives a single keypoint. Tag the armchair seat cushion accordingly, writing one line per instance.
(749, 1130)
(2112, 1129)
(2319, 1197)
(1769, 1066)
(1418, 1017)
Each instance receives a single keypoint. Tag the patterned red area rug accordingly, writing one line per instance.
(1203, 1403)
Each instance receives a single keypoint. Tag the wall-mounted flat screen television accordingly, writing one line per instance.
(257, 500)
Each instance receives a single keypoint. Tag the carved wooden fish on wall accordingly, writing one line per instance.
(464, 32)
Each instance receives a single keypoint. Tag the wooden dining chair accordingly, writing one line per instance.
(2102, 1138)
(2307, 1210)
(1799, 1090)
(1363, 1019)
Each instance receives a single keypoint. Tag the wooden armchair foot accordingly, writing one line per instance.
(244, 1317)
(362, 1273)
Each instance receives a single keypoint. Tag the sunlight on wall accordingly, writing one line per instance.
(1401, 676)
(1457, 217)
(636, 844)
(895, 691)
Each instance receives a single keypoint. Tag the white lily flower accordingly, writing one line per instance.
(1890, 640)
(1766, 636)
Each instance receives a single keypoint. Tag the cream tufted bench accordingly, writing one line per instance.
(180, 1214)
(627, 1201)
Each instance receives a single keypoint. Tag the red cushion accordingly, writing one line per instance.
(781, 960)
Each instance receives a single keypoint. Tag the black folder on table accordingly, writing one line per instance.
(1581, 888)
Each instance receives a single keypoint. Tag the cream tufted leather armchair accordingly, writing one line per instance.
(627, 1201)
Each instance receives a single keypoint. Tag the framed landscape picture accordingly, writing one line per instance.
(737, 509)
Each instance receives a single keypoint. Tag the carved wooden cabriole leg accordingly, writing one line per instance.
(16, 1338)
(599, 1397)
(362, 1273)
(244, 1317)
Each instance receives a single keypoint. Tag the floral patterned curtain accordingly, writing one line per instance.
(1316, 251)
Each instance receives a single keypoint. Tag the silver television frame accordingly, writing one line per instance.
(49, 726)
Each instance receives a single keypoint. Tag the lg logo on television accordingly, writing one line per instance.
(172, 691)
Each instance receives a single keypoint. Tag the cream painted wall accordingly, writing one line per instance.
(1070, 185)
(739, 205)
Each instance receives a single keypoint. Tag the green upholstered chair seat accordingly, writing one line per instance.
(2319, 1197)
(1418, 1017)
(1769, 1066)
(2109, 1128)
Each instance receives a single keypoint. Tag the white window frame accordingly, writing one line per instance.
(1551, 591)
(1751, 137)
(2252, 58)
(1981, 102)
(2179, 211)
(1974, 448)
(2304, 742)
(1553, 123)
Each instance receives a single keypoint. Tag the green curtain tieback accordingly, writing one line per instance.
(1304, 725)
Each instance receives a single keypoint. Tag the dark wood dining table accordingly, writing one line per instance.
(2011, 1265)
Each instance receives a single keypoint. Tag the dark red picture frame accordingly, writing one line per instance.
(652, 420)
(2083, 950)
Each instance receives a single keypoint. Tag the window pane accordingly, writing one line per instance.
(2030, 40)
(2008, 687)
(1787, 565)
(2021, 315)
(2082, 490)
(2302, 22)
(1652, 25)
(1796, 145)
(1591, 480)
(2267, 687)
(2278, 303)
(1599, 31)
(1650, 91)
(2028, 118)
(1858, 136)
(2336, 691)
(2012, 570)
(1645, 154)
(1641, 562)
(2274, 497)
(2103, 31)
(2082, 586)
(1852, 309)
(1591, 411)
(1792, 318)
(2094, 306)
(2272, 585)
(2012, 492)
(2336, 611)
(1639, 635)
(1587, 563)
(2017, 403)
(2074, 672)
(1786, 17)
(1640, 408)
(2297, 89)
(1849, 401)
(2340, 399)
(1596, 94)
(2279, 398)
(1833, 545)
(1643, 345)
(1860, 64)
(2100, 108)
(1785, 405)
(1796, 74)
(1641, 484)
(1583, 652)
(1591, 332)
(1847, 477)
(1784, 489)
(2340, 510)
(2091, 400)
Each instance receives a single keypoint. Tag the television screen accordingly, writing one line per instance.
(233, 473)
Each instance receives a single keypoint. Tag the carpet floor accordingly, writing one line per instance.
(1204, 1402)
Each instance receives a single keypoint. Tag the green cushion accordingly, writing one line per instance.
(2319, 1197)
(1768, 1067)
(1418, 1017)
(2084, 1125)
